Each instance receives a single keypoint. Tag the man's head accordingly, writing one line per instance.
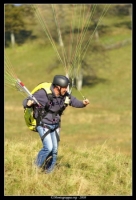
(61, 83)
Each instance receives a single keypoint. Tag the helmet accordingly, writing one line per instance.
(61, 81)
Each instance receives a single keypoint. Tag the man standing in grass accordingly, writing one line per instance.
(48, 119)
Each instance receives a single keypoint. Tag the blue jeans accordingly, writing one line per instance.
(50, 146)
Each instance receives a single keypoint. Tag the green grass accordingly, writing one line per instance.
(79, 171)
(95, 152)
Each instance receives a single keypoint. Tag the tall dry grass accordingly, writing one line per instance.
(86, 171)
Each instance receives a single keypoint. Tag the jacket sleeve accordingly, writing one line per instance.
(41, 97)
(74, 102)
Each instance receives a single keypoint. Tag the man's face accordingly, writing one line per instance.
(63, 90)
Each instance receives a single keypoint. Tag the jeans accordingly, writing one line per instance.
(50, 146)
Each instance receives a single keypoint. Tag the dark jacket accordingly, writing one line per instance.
(56, 104)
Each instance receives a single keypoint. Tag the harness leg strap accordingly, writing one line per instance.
(45, 134)
(57, 136)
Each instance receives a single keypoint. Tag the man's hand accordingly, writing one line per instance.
(86, 102)
(30, 102)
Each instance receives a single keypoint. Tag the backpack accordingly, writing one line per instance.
(29, 112)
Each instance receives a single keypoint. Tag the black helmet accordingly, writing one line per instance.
(61, 81)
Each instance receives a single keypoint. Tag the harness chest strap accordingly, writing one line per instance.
(45, 111)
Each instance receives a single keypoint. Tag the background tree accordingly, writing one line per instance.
(13, 21)
(16, 22)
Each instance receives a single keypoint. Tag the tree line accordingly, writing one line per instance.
(21, 24)
(20, 20)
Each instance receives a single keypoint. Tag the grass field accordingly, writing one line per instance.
(95, 152)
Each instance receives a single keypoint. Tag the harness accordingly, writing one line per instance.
(49, 131)
(34, 115)
(43, 111)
